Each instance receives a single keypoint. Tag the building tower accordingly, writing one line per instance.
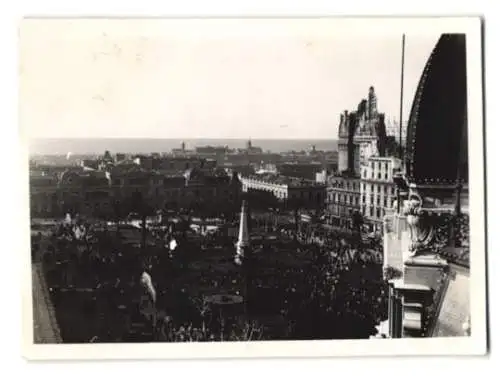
(372, 104)
(243, 243)
(183, 146)
(343, 135)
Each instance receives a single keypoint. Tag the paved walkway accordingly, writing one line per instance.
(45, 325)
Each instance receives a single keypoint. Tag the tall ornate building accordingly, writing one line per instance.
(426, 238)
(361, 136)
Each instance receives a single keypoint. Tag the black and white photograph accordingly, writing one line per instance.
(256, 187)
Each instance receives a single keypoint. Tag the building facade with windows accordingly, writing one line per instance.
(307, 194)
(343, 198)
(378, 190)
(70, 191)
(97, 193)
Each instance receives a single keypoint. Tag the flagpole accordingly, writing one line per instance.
(401, 155)
(401, 98)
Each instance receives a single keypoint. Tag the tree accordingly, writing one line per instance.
(119, 213)
(295, 204)
(139, 205)
(357, 224)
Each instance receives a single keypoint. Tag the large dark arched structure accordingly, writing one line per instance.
(437, 128)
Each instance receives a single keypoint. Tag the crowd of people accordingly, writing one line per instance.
(321, 291)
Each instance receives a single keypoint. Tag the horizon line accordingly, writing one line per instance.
(178, 138)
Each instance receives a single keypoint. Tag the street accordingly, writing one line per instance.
(46, 329)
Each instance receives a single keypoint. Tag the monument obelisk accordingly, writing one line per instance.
(243, 257)
(243, 243)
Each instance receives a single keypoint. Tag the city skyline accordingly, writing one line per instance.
(79, 80)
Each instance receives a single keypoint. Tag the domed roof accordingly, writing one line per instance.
(437, 128)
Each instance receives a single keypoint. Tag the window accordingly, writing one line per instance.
(363, 199)
(385, 189)
(386, 177)
(378, 201)
(385, 202)
(371, 212)
(379, 176)
(371, 199)
(378, 188)
(378, 213)
(379, 166)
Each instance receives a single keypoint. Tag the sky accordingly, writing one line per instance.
(207, 79)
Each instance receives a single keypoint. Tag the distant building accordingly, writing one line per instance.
(120, 157)
(306, 171)
(176, 164)
(267, 168)
(44, 200)
(70, 192)
(90, 164)
(107, 157)
(244, 170)
(211, 150)
(145, 161)
(182, 151)
(95, 193)
(306, 194)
